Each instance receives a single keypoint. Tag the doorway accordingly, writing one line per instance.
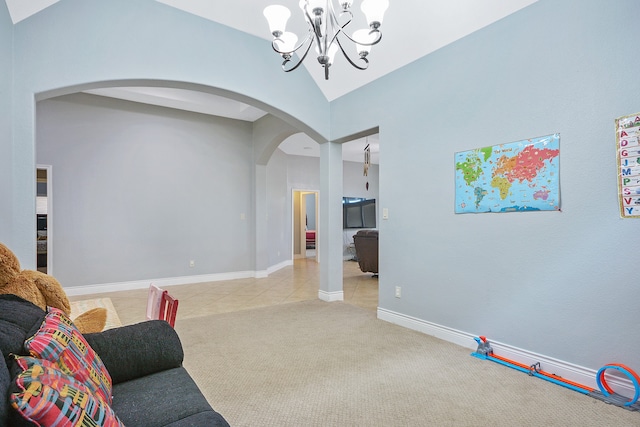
(43, 219)
(305, 224)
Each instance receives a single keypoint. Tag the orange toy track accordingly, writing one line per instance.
(543, 373)
(606, 393)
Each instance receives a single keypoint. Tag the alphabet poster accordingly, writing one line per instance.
(627, 134)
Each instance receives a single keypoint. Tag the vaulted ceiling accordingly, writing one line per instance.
(411, 30)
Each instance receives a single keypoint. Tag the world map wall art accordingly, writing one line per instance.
(515, 177)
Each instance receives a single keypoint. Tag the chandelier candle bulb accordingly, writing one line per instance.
(363, 39)
(318, 6)
(277, 17)
(286, 43)
(333, 49)
(326, 32)
(374, 11)
(346, 5)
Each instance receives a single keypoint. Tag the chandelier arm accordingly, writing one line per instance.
(378, 37)
(362, 58)
(314, 26)
(308, 17)
(273, 45)
(297, 64)
(341, 29)
(376, 41)
(338, 29)
(317, 24)
(337, 24)
(319, 40)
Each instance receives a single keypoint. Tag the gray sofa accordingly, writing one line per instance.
(151, 388)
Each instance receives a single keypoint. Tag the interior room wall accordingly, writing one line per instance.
(355, 183)
(279, 215)
(304, 174)
(554, 283)
(140, 191)
(145, 182)
(151, 43)
(310, 209)
(6, 143)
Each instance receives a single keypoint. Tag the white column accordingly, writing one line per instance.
(330, 230)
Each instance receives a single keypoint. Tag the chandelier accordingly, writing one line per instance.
(326, 31)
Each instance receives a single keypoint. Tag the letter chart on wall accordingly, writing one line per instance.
(627, 134)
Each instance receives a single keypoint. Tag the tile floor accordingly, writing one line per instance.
(299, 282)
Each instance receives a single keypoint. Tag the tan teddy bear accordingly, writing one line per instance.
(43, 290)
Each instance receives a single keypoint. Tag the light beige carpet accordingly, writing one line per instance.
(79, 307)
(332, 364)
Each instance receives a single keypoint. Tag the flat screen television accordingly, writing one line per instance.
(42, 222)
(358, 212)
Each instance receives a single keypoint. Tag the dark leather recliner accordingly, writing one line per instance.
(366, 243)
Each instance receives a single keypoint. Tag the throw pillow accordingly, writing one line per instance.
(47, 396)
(59, 341)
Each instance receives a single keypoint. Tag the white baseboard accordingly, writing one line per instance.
(331, 296)
(172, 281)
(278, 266)
(448, 334)
(569, 371)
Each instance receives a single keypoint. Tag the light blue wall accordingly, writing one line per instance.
(280, 225)
(355, 183)
(555, 283)
(270, 247)
(288, 173)
(82, 43)
(6, 78)
(304, 174)
(139, 191)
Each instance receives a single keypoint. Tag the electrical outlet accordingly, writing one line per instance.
(192, 263)
(398, 292)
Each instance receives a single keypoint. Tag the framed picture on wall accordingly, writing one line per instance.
(514, 177)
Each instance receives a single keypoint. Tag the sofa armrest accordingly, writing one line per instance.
(134, 351)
